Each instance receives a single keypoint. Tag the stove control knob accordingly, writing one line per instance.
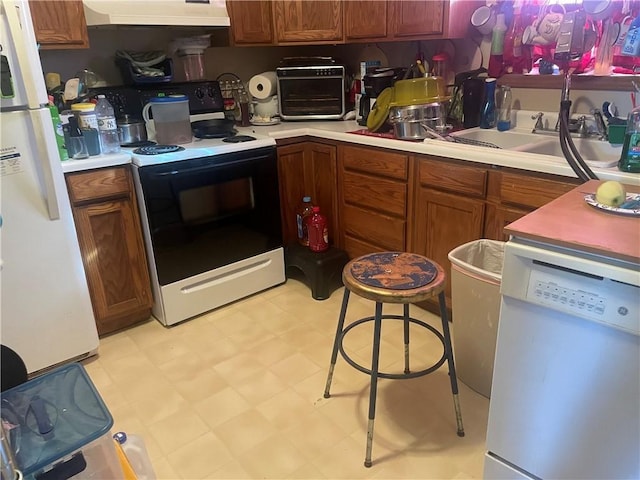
(199, 93)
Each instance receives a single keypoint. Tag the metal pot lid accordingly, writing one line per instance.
(213, 128)
(380, 110)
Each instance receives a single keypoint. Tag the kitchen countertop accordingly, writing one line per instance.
(569, 221)
(339, 130)
(99, 161)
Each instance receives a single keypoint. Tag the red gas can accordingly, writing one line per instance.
(317, 231)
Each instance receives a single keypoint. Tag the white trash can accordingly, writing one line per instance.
(476, 274)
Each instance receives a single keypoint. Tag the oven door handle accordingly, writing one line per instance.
(181, 171)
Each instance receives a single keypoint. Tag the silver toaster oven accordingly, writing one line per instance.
(311, 92)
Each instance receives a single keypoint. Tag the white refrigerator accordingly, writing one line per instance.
(45, 309)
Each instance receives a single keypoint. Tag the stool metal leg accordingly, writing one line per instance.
(337, 341)
(406, 338)
(452, 368)
(377, 327)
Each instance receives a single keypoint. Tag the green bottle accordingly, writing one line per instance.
(630, 158)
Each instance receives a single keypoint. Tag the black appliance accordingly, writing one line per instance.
(311, 88)
(472, 100)
(204, 97)
(374, 83)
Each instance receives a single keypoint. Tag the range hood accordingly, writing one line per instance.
(186, 13)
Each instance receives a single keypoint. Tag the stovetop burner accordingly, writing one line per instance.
(158, 149)
(238, 139)
(141, 143)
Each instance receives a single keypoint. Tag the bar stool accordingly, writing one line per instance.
(393, 277)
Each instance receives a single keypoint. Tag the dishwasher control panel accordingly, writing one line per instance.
(606, 293)
(574, 299)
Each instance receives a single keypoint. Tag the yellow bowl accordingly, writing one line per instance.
(418, 91)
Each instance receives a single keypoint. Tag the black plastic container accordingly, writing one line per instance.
(472, 100)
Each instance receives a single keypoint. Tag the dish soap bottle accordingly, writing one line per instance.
(630, 158)
(488, 116)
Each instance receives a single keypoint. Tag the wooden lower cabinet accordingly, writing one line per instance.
(307, 169)
(448, 210)
(372, 198)
(108, 225)
(511, 195)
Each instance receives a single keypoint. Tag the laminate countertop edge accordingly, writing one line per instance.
(340, 130)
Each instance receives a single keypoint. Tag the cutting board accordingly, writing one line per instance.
(569, 221)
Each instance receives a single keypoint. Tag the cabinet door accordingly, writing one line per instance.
(251, 22)
(365, 20)
(292, 187)
(307, 169)
(443, 222)
(320, 179)
(110, 235)
(304, 21)
(114, 261)
(59, 24)
(497, 217)
(413, 18)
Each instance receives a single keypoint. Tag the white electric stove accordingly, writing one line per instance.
(210, 209)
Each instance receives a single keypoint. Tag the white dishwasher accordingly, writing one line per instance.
(565, 401)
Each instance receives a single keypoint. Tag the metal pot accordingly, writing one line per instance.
(132, 130)
(407, 121)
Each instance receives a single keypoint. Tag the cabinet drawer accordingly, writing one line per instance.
(457, 178)
(530, 191)
(375, 228)
(374, 192)
(98, 184)
(369, 160)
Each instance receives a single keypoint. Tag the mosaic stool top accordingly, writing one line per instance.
(394, 270)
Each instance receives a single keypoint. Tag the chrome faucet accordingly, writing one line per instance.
(600, 125)
(539, 125)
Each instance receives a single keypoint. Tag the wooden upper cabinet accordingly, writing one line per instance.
(59, 24)
(251, 22)
(318, 21)
(411, 18)
(420, 19)
(365, 20)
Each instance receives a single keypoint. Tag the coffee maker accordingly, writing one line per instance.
(374, 83)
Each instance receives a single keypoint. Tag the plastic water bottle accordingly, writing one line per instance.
(136, 452)
(107, 126)
(503, 106)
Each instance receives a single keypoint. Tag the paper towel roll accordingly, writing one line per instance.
(263, 85)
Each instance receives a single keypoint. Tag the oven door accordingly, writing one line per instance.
(311, 98)
(210, 212)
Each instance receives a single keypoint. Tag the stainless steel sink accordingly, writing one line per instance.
(508, 140)
(596, 153)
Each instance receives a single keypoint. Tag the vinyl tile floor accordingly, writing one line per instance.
(237, 393)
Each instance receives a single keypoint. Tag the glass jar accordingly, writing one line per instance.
(85, 113)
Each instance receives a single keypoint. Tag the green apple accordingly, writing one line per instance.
(611, 193)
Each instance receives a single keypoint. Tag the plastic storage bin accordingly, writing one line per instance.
(130, 77)
(59, 427)
(476, 275)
